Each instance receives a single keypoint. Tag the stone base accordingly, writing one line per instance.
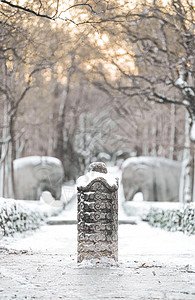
(97, 251)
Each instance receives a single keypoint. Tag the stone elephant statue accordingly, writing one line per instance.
(157, 178)
(35, 174)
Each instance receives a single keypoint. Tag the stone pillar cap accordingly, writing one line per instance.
(97, 171)
(98, 167)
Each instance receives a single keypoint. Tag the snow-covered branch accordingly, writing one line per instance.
(187, 90)
(163, 99)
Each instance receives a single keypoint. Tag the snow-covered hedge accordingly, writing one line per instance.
(142, 208)
(16, 215)
(182, 219)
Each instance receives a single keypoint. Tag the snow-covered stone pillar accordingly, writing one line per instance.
(97, 214)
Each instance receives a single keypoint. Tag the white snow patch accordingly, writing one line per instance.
(183, 84)
(87, 178)
(10, 276)
(192, 132)
(189, 91)
(180, 82)
(142, 208)
(46, 197)
(138, 197)
(101, 262)
(154, 244)
(186, 103)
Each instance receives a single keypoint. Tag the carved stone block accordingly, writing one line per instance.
(97, 216)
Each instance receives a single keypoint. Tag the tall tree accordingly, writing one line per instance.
(156, 61)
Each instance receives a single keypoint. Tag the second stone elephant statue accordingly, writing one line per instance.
(35, 174)
(157, 178)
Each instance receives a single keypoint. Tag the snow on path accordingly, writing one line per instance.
(153, 264)
(135, 242)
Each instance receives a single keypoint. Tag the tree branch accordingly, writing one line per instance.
(28, 10)
(162, 99)
(58, 16)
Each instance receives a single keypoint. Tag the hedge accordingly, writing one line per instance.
(182, 219)
(19, 216)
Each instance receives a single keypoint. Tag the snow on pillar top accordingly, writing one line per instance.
(97, 170)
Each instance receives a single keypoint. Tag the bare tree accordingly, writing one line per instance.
(157, 42)
(16, 81)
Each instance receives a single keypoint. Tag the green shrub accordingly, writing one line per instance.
(19, 216)
(182, 219)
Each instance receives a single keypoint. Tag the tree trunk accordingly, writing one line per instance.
(185, 193)
(6, 166)
(6, 179)
(172, 133)
(12, 156)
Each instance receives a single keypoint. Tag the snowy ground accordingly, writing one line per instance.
(153, 264)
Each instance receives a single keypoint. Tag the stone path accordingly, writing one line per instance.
(153, 264)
